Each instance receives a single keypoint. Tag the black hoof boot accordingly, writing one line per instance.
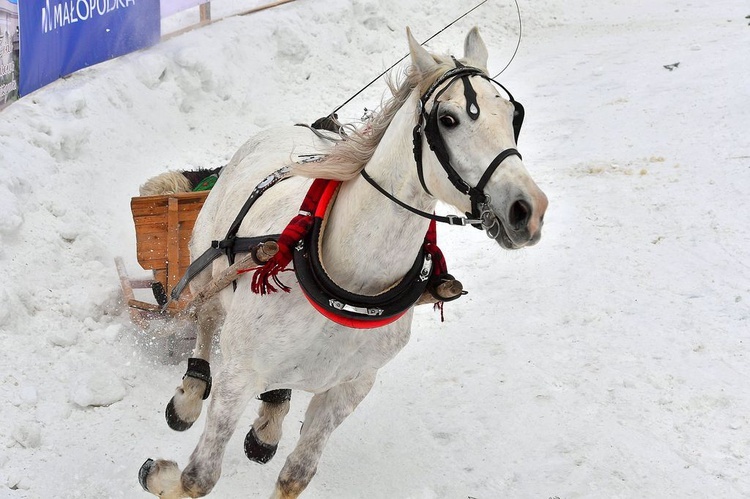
(257, 451)
(144, 472)
(173, 420)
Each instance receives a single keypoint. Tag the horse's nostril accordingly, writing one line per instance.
(520, 211)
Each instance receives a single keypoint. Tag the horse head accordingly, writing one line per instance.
(471, 124)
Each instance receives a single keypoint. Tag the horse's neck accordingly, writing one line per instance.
(370, 242)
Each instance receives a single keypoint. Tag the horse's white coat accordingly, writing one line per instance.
(279, 341)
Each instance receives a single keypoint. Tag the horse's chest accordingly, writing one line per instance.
(301, 349)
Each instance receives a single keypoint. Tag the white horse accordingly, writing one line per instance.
(276, 342)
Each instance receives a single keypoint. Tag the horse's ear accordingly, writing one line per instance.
(475, 51)
(420, 58)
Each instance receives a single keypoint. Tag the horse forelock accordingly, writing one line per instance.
(346, 159)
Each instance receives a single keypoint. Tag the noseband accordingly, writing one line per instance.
(481, 216)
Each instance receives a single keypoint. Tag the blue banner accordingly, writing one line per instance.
(59, 37)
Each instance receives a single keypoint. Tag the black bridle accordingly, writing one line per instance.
(480, 216)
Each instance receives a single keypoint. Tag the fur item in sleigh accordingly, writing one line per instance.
(173, 182)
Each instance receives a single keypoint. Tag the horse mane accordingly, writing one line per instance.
(348, 157)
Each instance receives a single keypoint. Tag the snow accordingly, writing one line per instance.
(611, 360)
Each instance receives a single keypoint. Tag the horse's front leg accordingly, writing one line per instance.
(325, 413)
(233, 391)
(186, 404)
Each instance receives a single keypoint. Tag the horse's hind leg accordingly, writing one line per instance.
(263, 438)
(325, 413)
(233, 391)
(186, 404)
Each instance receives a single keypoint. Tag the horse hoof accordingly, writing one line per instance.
(144, 472)
(173, 420)
(257, 451)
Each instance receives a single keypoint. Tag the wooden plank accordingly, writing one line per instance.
(173, 245)
(145, 205)
(205, 11)
(264, 7)
(143, 305)
(149, 227)
(144, 283)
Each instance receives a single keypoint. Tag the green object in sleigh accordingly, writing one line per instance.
(207, 183)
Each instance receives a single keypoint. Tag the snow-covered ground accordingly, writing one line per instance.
(610, 361)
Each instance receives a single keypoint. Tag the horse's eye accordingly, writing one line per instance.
(448, 121)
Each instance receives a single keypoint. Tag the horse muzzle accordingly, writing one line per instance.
(518, 226)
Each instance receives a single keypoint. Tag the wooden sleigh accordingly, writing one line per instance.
(163, 227)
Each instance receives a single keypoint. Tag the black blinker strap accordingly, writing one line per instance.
(437, 144)
(518, 115)
(451, 74)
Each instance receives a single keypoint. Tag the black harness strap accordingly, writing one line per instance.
(417, 138)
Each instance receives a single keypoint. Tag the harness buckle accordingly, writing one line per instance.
(224, 243)
(424, 273)
(456, 220)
